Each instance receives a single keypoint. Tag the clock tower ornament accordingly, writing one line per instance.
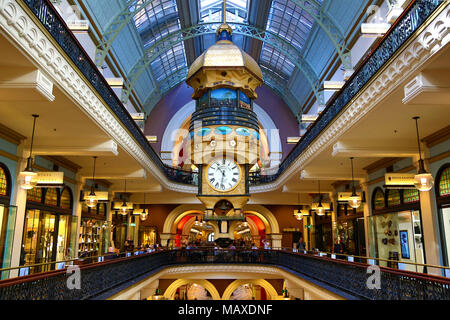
(224, 130)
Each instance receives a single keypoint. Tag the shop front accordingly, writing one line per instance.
(148, 236)
(350, 229)
(442, 186)
(395, 229)
(7, 220)
(93, 234)
(119, 231)
(49, 228)
(323, 233)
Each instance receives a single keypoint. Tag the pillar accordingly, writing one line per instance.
(430, 224)
(334, 230)
(275, 240)
(108, 230)
(165, 237)
(137, 221)
(77, 209)
(19, 200)
(367, 207)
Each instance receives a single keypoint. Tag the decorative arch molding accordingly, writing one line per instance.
(265, 215)
(173, 131)
(172, 289)
(178, 213)
(260, 282)
(183, 210)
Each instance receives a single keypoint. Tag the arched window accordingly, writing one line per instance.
(34, 195)
(393, 198)
(102, 209)
(66, 198)
(444, 182)
(5, 184)
(51, 197)
(378, 199)
(410, 195)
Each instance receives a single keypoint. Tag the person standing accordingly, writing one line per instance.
(301, 246)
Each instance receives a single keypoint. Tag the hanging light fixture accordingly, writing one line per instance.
(91, 199)
(423, 180)
(298, 215)
(27, 178)
(124, 207)
(144, 214)
(355, 200)
(320, 209)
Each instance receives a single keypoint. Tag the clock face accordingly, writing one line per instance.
(223, 175)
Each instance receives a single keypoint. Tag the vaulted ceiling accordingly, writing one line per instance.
(298, 43)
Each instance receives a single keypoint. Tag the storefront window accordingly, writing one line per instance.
(393, 198)
(7, 227)
(410, 195)
(398, 237)
(378, 200)
(91, 238)
(444, 184)
(51, 197)
(3, 183)
(147, 236)
(34, 195)
(66, 199)
(443, 199)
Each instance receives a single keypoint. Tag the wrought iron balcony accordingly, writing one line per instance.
(349, 279)
(403, 29)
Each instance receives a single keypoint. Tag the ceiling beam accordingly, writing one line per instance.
(329, 176)
(108, 148)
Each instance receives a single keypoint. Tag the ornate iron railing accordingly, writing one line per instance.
(405, 27)
(101, 280)
(55, 25)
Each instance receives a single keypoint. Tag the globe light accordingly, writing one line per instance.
(144, 215)
(355, 201)
(124, 208)
(27, 180)
(423, 181)
(91, 200)
(320, 210)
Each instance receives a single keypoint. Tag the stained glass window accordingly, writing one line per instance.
(444, 184)
(51, 197)
(378, 199)
(3, 183)
(410, 195)
(34, 195)
(66, 199)
(393, 198)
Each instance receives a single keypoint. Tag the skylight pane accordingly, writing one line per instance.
(212, 11)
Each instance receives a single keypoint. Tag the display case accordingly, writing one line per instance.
(90, 242)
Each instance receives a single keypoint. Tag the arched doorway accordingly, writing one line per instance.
(196, 287)
(240, 288)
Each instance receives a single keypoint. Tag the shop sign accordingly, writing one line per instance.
(345, 196)
(50, 179)
(325, 205)
(399, 179)
(118, 205)
(101, 195)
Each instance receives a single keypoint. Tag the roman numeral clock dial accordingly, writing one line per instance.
(224, 175)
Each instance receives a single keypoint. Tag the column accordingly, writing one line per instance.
(430, 224)
(276, 240)
(107, 235)
(19, 200)
(334, 231)
(367, 205)
(137, 221)
(77, 209)
(165, 237)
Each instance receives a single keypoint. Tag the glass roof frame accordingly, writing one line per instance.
(153, 23)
